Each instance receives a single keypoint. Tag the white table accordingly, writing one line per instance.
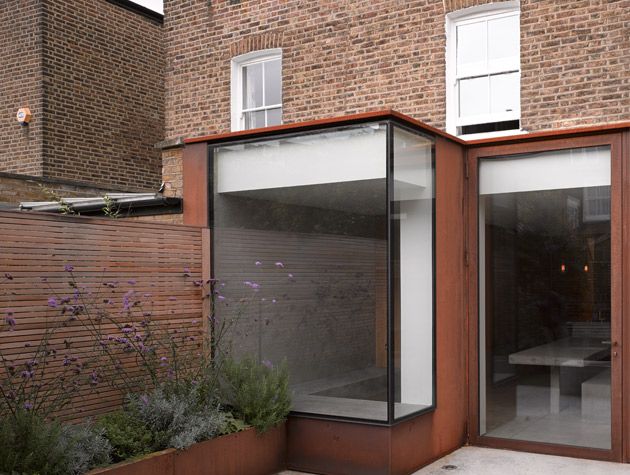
(571, 351)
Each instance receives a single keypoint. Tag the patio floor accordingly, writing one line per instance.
(482, 461)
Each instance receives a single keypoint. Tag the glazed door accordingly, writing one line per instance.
(548, 329)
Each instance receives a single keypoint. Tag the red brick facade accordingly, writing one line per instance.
(21, 85)
(347, 56)
(91, 72)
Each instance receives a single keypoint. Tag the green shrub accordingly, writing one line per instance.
(30, 445)
(177, 419)
(127, 434)
(258, 393)
(85, 446)
(233, 424)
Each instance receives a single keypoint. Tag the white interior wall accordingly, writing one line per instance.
(562, 169)
(416, 302)
(358, 154)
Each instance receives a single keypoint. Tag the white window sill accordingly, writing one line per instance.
(489, 135)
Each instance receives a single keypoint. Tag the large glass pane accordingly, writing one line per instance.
(252, 86)
(273, 82)
(471, 49)
(545, 302)
(412, 272)
(300, 248)
(503, 43)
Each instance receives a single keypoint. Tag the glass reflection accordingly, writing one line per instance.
(545, 302)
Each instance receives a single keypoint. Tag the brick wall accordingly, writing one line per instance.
(347, 56)
(92, 73)
(20, 85)
(104, 94)
(575, 63)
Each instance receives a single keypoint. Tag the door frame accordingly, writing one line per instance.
(620, 178)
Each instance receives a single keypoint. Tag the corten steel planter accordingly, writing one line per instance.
(241, 453)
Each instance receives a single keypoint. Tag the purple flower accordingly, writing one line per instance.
(194, 322)
(52, 302)
(68, 268)
(127, 330)
(187, 272)
(290, 276)
(273, 300)
(94, 378)
(163, 358)
(144, 399)
(126, 300)
(28, 406)
(220, 297)
(131, 281)
(8, 276)
(172, 298)
(267, 363)
(9, 319)
(27, 374)
(258, 263)
(279, 265)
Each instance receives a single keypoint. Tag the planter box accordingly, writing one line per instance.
(241, 453)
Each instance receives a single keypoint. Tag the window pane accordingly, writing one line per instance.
(503, 43)
(252, 86)
(304, 218)
(545, 298)
(274, 116)
(254, 120)
(412, 267)
(273, 82)
(505, 93)
(473, 97)
(471, 49)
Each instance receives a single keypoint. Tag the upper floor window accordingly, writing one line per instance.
(257, 89)
(483, 69)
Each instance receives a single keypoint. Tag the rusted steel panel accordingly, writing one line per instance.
(196, 182)
(337, 448)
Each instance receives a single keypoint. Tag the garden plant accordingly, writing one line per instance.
(179, 383)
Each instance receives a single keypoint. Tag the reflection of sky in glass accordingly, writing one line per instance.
(155, 5)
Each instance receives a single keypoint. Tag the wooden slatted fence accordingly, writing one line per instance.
(158, 262)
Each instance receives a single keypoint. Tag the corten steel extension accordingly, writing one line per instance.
(331, 446)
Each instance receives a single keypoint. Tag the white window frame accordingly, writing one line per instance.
(467, 16)
(236, 84)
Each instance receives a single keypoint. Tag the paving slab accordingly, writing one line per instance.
(482, 461)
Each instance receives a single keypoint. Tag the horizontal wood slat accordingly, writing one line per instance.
(159, 262)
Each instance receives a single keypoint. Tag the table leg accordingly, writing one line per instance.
(554, 389)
